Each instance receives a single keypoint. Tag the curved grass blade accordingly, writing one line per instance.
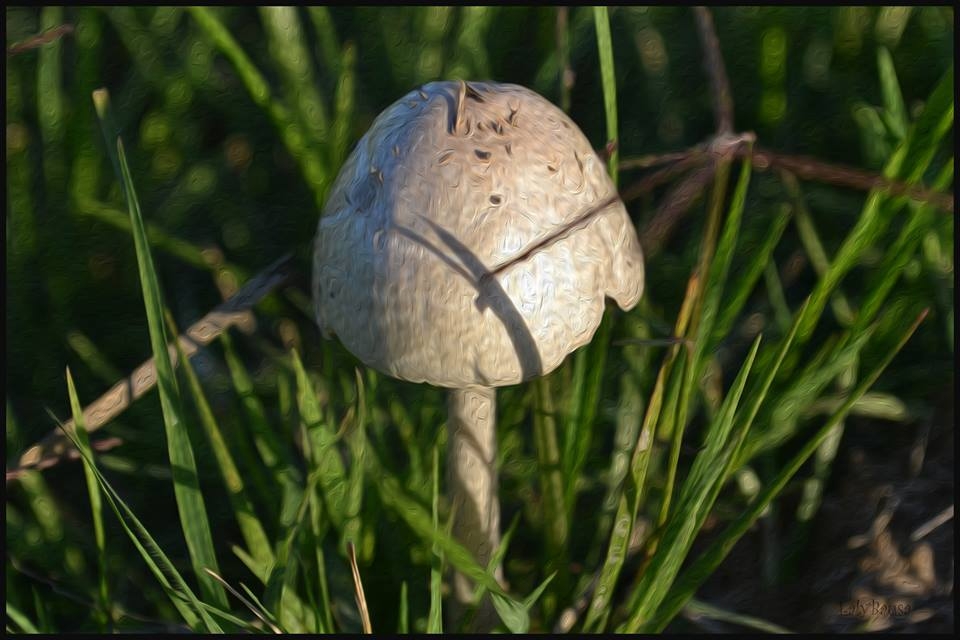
(182, 597)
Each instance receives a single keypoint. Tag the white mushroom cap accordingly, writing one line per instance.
(444, 253)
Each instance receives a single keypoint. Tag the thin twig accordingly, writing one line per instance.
(713, 62)
(121, 395)
(926, 528)
(653, 160)
(105, 444)
(677, 201)
(687, 160)
(812, 169)
(358, 589)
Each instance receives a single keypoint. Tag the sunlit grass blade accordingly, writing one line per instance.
(701, 475)
(284, 571)
(420, 521)
(18, 618)
(287, 47)
(715, 263)
(693, 504)
(585, 394)
(355, 425)
(634, 491)
(190, 504)
(248, 604)
(324, 617)
(96, 508)
(783, 415)
(898, 254)
(909, 163)
(601, 21)
(255, 601)
(403, 617)
(182, 597)
(328, 45)
(589, 362)
(430, 57)
(810, 240)
(688, 582)
(251, 529)
(555, 523)
(894, 109)
(93, 357)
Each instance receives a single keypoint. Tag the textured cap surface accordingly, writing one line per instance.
(446, 253)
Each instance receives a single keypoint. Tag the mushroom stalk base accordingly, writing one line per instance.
(472, 487)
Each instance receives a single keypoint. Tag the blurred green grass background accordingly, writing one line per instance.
(236, 120)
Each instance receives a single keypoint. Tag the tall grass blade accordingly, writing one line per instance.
(435, 614)
(601, 21)
(102, 613)
(190, 504)
(251, 529)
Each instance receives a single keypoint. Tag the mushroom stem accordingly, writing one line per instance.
(472, 487)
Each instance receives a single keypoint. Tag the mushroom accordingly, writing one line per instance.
(469, 242)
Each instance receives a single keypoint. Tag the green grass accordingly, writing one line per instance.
(226, 131)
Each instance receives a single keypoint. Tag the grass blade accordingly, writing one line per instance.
(894, 108)
(18, 618)
(696, 573)
(324, 457)
(750, 274)
(909, 163)
(403, 619)
(251, 529)
(183, 598)
(190, 504)
(435, 614)
(601, 21)
(311, 165)
(96, 507)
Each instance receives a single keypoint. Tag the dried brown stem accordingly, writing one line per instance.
(37, 41)
(675, 204)
(809, 168)
(688, 160)
(717, 72)
(236, 310)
